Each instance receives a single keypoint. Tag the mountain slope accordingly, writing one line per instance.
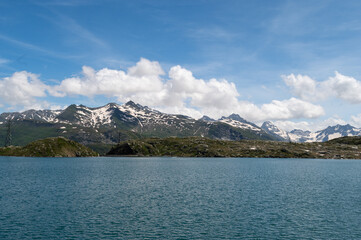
(203, 147)
(337, 131)
(50, 147)
(273, 130)
(112, 123)
(324, 135)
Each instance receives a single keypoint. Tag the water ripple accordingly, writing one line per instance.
(179, 198)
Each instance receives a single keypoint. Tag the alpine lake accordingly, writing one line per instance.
(179, 198)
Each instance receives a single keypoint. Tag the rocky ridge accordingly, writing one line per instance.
(112, 123)
(49, 147)
(298, 135)
(347, 148)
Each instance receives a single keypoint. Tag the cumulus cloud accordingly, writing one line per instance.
(291, 125)
(343, 87)
(146, 83)
(213, 93)
(180, 92)
(142, 82)
(301, 86)
(41, 105)
(340, 86)
(22, 88)
(311, 126)
(332, 121)
(356, 120)
(292, 108)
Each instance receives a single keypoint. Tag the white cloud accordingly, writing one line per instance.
(290, 125)
(343, 87)
(292, 108)
(141, 83)
(340, 86)
(332, 121)
(146, 68)
(41, 105)
(311, 126)
(4, 61)
(183, 86)
(301, 86)
(146, 83)
(356, 120)
(22, 88)
(181, 93)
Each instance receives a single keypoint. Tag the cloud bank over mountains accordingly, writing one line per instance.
(340, 86)
(178, 91)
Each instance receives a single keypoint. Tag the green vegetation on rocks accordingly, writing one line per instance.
(347, 140)
(203, 147)
(50, 147)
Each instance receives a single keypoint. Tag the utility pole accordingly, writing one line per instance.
(8, 138)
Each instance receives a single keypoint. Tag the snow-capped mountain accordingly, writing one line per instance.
(37, 115)
(272, 129)
(298, 135)
(238, 122)
(114, 122)
(109, 115)
(207, 119)
(131, 117)
(337, 131)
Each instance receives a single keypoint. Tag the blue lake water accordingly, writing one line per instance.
(179, 198)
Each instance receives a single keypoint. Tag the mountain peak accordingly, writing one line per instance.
(130, 103)
(235, 117)
(112, 105)
(272, 129)
(268, 124)
(134, 105)
(207, 119)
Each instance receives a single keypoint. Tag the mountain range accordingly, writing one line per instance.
(112, 123)
(298, 135)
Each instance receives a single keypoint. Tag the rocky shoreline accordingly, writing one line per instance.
(342, 148)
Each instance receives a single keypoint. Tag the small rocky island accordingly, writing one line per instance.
(341, 148)
(50, 147)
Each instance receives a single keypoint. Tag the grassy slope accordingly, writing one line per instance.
(25, 132)
(100, 140)
(50, 147)
(347, 140)
(203, 147)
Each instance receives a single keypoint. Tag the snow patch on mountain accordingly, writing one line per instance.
(141, 119)
(272, 129)
(329, 133)
(39, 115)
(238, 122)
(334, 135)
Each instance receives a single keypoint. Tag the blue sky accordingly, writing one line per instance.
(269, 60)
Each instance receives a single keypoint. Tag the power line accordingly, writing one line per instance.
(8, 138)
